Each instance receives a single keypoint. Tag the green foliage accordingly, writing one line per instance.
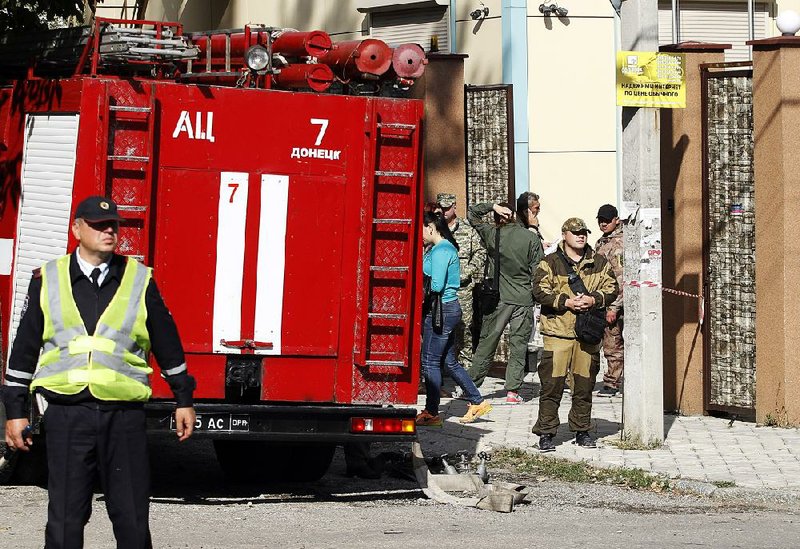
(539, 466)
(724, 483)
(33, 15)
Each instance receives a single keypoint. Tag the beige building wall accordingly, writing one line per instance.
(572, 113)
(339, 18)
(482, 41)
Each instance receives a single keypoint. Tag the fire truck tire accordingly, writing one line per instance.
(28, 468)
(8, 459)
(31, 467)
(307, 462)
(247, 460)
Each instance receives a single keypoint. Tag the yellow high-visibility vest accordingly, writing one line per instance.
(112, 362)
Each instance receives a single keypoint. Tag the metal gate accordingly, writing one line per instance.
(489, 121)
(729, 238)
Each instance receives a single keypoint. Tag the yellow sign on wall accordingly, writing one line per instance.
(651, 79)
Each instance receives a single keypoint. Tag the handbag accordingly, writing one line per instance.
(490, 289)
(432, 303)
(437, 313)
(590, 326)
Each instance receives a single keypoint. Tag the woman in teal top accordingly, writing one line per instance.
(440, 263)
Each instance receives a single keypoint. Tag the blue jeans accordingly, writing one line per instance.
(438, 352)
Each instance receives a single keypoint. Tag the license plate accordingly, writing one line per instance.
(218, 422)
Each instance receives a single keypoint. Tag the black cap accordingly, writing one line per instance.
(97, 208)
(607, 211)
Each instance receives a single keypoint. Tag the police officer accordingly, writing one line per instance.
(94, 315)
(471, 255)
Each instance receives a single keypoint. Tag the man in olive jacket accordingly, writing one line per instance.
(563, 352)
(520, 253)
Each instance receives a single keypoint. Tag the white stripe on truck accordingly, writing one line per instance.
(271, 261)
(227, 324)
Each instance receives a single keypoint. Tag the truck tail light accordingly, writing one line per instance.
(382, 425)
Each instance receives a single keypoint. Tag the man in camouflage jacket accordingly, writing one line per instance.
(611, 246)
(471, 256)
(563, 352)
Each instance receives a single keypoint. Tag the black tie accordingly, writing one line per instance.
(96, 277)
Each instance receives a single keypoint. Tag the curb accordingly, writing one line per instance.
(764, 496)
(733, 494)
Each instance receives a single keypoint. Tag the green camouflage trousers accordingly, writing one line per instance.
(462, 334)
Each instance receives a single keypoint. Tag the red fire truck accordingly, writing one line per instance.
(282, 222)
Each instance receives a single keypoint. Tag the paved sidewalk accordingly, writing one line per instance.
(697, 448)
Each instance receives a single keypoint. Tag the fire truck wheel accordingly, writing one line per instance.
(307, 462)
(31, 467)
(247, 460)
(8, 459)
(22, 467)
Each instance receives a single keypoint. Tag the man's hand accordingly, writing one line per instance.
(580, 303)
(611, 316)
(502, 211)
(14, 428)
(184, 422)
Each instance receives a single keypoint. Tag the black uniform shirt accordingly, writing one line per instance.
(91, 302)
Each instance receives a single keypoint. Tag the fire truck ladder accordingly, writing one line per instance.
(136, 216)
(393, 187)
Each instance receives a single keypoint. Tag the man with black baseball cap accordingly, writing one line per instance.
(83, 342)
(612, 246)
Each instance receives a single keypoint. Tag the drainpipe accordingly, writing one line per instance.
(751, 24)
(453, 38)
(676, 21)
(515, 72)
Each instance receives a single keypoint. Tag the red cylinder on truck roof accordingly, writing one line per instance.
(316, 76)
(408, 61)
(359, 58)
(300, 44)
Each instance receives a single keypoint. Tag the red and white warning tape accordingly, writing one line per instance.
(651, 284)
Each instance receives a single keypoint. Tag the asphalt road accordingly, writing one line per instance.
(194, 507)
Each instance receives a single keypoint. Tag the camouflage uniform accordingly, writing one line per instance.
(471, 256)
(611, 246)
(563, 353)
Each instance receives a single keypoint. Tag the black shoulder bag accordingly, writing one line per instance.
(490, 291)
(432, 303)
(589, 325)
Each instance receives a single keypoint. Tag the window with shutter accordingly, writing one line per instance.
(413, 26)
(718, 22)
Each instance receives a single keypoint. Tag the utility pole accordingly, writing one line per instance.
(643, 401)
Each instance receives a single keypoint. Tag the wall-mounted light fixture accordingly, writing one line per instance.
(788, 22)
(553, 9)
(480, 13)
